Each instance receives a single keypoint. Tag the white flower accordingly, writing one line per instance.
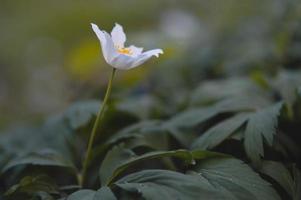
(116, 54)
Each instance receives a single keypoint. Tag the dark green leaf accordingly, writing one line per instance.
(32, 185)
(211, 91)
(82, 195)
(164, 184)
(235, 180)
(287, 83)
(103, 193)
(79, 114)
(119, 159)
(145, 133)
(220, 132)
(43, 158)
(289, 180)
(261, 124)
(278, 172)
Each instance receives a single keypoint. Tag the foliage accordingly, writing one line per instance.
(211, 124)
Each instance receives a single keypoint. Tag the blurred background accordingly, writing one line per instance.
(50, 58)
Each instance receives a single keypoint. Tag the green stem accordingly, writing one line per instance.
(94, 130)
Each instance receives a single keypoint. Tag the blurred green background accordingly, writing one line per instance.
(49, 56)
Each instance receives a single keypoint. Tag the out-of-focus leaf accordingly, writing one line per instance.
(196, 116)
(113, 159)
(190, 118)
(212, 91)
(290, 181)
(297, 183)
(42, 158)
(261, 124)
(119, 159)
(286, 145)
(179, 126)
(82, 195)
(242, 103)
(103, 193)
(220, 132)
(33, 185)
(16, 141)
(235, 180)
(79, 114)
(144, 133)
(286, 83)
(278, 172)
(43, 196)
(164, 184)
(147, 104)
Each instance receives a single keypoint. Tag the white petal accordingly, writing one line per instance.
(98, 32)
(107, 46)
(100, 35)
(118, 36)
(142, 58)
(154, 52)
(110, 48)
(123, 62)
(136, 51)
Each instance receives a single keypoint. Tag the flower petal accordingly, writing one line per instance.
(142, 58)
(136, 51)
(100, 35)
(154, 52)
(110, 48)
(107, 46)
(118, 36)
(123, 62)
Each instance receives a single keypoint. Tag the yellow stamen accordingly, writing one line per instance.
(126, 51)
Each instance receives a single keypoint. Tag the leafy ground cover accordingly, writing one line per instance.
(205, 126)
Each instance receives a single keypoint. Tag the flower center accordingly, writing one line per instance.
(126, 51)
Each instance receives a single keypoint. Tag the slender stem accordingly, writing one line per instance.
(94, 130)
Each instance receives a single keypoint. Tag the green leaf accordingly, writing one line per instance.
(164, 184)
(103, 193)
(43, 196)
(297, 183)
(79, 114)
(216, 90)
(32, 185)
(261, 124)
(119, 159)
(42, 158)
(217, 134)
(290, 181)
(82, 195)
(114, 158)
(278, 172)
(145, 133)
(196, 116)
(287, 83)
(190, 118)
(235, 180)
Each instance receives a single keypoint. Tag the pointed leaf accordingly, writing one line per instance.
(104, 193)
(235, 179)
(119, 159)
(164, 184)
(82, 195)
(32, 185)
(261, 124)
(278, 172)
(43, 158)
(220, 132)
